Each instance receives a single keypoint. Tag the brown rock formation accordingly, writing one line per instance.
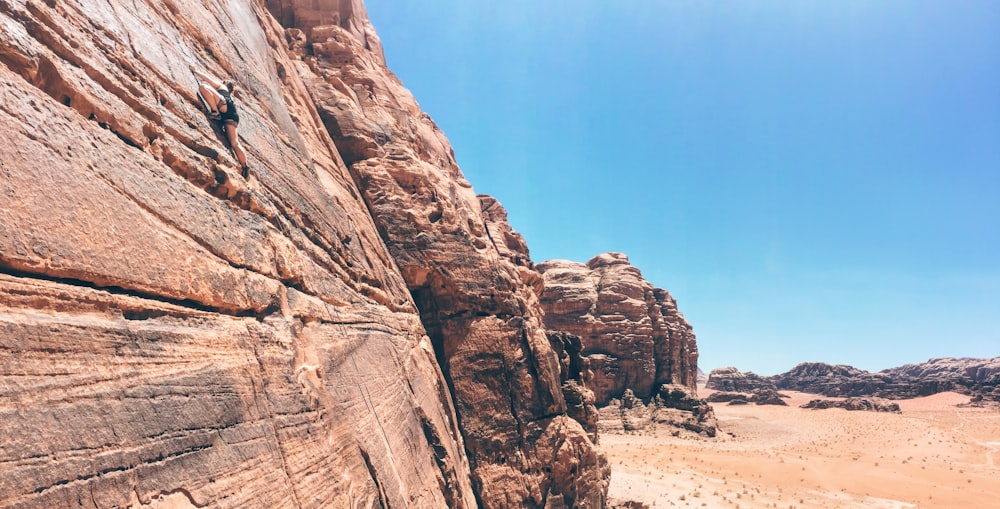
(469, 274)
(674, 405)
(632, 333)
(979, 378)
(730, 379)
(975, 377)
(855, 404)
(759, 397)
(171, 332)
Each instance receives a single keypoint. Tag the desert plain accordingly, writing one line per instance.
(934, 454)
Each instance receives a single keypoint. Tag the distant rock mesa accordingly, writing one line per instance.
(632, 333)
(978, 378)
(639, 355)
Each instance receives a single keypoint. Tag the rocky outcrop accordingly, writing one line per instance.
(730, 379)
(950, 368)
(759, 397)
(575, 372)
(768, 397)
(632, 333)
(674, 406)
(469, 274)
(979, 378)
(170, 332)
(733, 398)
(831, 380)
(975, 377)
(855, 404)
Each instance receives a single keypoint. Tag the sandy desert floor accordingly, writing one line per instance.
(933, 455)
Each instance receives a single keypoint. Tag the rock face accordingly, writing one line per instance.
(170, 332)
(173, 334)
(469, 274)
(674, 405)
(979, 378)
(831, 380)
(730, 379)
(632, 333)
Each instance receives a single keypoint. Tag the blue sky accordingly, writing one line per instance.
(811, 180)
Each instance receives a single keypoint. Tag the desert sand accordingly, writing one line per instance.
(932, 455)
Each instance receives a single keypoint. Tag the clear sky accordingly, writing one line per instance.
(811, 180)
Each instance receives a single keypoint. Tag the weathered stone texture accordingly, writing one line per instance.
(468, 272)
(632, 333)
(172, 333)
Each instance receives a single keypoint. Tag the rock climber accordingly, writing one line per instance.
(217, 97)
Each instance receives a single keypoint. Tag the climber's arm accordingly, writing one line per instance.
(212, 81)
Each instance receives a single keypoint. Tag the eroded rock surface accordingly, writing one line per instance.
(469, 273)
(172, 333)
(759, 397)
(632, 333)
(730, 379)
(674, 406)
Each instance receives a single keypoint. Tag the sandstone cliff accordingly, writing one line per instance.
(632, 333)
(171, 333)
(473, 283)
(638, 353)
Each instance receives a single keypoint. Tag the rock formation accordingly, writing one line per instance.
(470, 275)
(831, 380)
(855, 404)
(759, 397)
(730, 379)
(172, 333)
(675, 406)
(632, 333)
(979, 378)
(975, 377)
(639, 356)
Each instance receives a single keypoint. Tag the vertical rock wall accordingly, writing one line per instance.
(632, 333)
(473, 284)
(172, 334)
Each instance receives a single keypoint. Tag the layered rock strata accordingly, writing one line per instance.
(469, 274)
(633, 336)
(175, 334)
(978, 378)
(170, 332)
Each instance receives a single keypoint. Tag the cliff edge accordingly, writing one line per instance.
(341, 329)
